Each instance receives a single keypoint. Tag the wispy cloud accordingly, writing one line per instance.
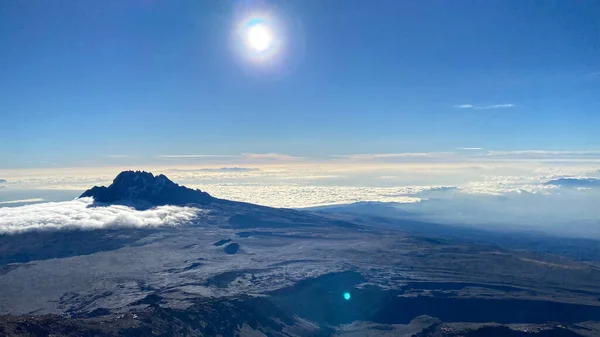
(544, 152)
(473, 154)
(496, 106)
(220, 169)
(540, 156)
(22, 201)
(268, 156)
(481, 107)
(178, 156)
(242, 157)
(371, 156)
(120, 156)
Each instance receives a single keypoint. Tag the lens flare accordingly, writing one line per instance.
(347, 296)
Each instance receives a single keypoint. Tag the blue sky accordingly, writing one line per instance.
(83, 81)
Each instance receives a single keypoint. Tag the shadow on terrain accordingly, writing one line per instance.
(322, 300)
(44, 245)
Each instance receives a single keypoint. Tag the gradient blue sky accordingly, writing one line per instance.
(81, 81)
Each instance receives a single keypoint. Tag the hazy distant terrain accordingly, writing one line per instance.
(392, 215)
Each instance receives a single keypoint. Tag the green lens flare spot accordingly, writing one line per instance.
(347, 296)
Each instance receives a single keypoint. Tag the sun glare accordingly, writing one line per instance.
(259, 37)
(266, 42)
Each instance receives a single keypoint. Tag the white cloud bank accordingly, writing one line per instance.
(290, 196)
(77, 214)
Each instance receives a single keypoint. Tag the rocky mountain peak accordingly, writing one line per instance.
(141, 186)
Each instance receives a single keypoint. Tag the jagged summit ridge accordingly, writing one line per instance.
(141, 186)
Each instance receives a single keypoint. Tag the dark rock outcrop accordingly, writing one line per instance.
(232, 248)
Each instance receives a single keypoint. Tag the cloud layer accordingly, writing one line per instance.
(77, 214)
(489, 186)
(290, 196)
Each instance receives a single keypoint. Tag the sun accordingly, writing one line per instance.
(259, 37)
(260, 40)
